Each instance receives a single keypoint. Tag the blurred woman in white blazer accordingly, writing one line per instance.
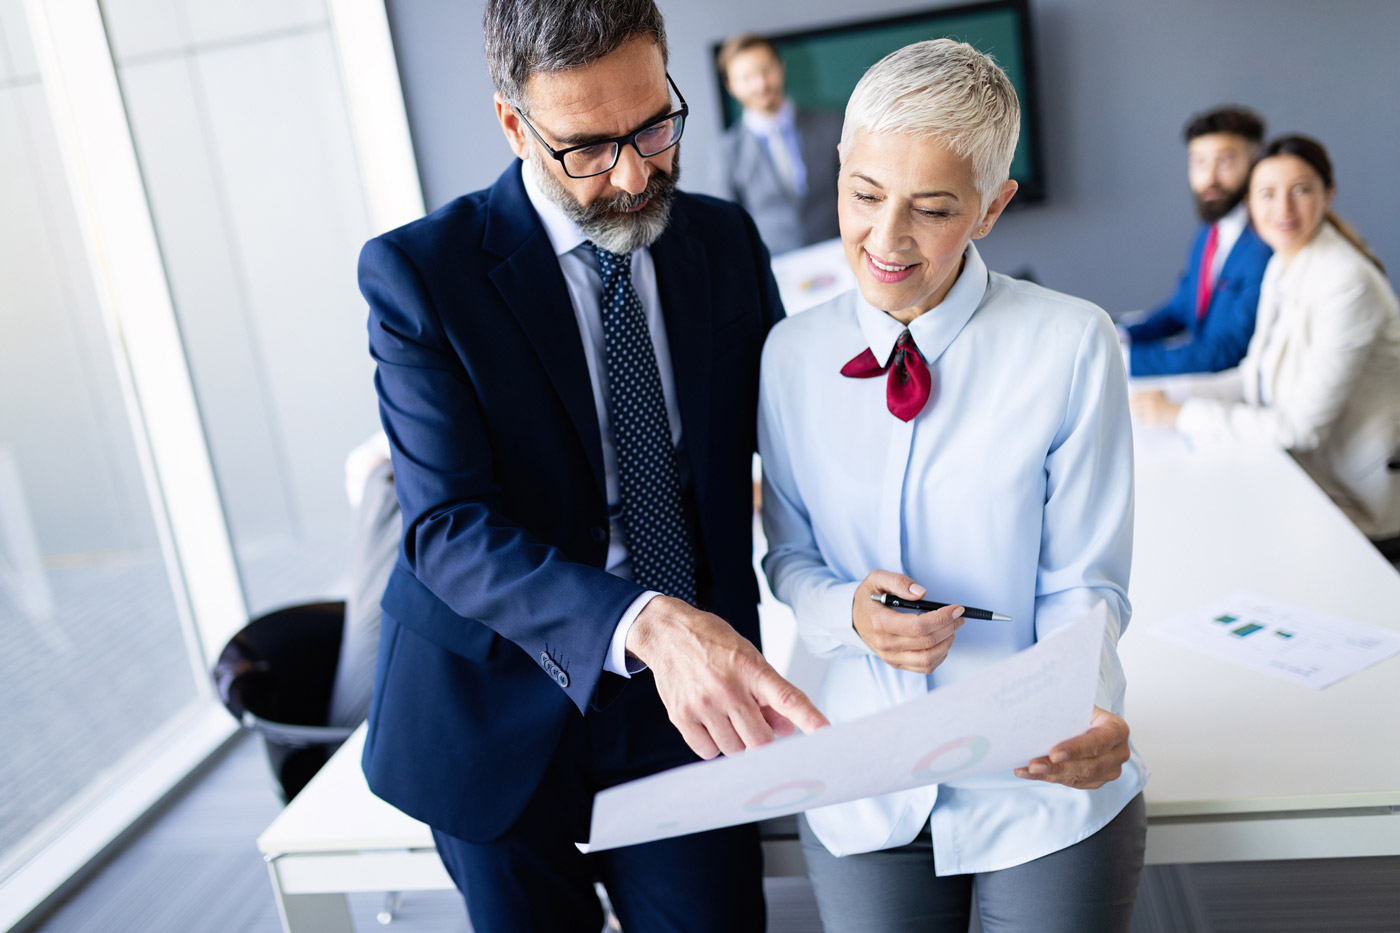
(1321, 378)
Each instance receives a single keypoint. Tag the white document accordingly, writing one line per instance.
(808, 276)
(1297, 644)
(1015, 710)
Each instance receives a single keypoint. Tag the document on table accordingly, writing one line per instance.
(1297, 644)
(808, 276)
(1017, 709)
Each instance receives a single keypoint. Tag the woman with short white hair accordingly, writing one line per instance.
(947, 432)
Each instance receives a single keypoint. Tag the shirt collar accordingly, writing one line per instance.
(934, 330)
(1233, 223)
(760, 125)
(564, 235)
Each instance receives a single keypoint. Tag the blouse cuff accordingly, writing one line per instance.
(826, 622)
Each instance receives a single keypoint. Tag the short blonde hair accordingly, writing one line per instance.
(945, 90)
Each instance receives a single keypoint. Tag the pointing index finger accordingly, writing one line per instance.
(772, 690)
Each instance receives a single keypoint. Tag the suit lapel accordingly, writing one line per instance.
(1234, 258)
(683, 281)
(813, 158)
(1289, 322)
(1276, 324)
(532, 286)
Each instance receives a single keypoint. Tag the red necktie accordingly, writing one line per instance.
(907, 388)
(1207, 260)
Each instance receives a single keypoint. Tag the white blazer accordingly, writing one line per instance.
(1321, 379)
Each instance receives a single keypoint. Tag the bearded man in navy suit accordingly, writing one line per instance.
(1206, 325)
(567, 373)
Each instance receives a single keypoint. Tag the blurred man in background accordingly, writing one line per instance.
(779, 160)
(1206, 325)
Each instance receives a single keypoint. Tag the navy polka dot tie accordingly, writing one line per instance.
(653, 512)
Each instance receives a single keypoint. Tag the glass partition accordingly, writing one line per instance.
(94, 658)
(182, 372)
(241, 125)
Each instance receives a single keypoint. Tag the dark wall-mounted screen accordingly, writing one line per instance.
(823, 65)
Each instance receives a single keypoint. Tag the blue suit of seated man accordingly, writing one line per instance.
(523, 664)
(1207, 323)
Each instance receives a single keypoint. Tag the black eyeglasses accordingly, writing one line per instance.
(592, 159)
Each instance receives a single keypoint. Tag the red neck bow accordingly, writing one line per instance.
(907, 388)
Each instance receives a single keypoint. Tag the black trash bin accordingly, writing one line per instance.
(275, 677)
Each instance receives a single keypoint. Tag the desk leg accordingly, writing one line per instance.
(311, 913)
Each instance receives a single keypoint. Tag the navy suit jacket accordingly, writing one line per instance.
(1220, 339)
(499, 613)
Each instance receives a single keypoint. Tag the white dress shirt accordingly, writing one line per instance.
(585, 293)
(1227, 234)
(1012, 490)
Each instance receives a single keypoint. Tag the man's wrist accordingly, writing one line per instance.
(618, 660)
(649, 628)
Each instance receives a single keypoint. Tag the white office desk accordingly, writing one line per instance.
(336, 837)
(1244, 766)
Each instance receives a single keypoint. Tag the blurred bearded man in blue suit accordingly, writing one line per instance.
(1206, 325)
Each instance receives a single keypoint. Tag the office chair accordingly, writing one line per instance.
(275, 676)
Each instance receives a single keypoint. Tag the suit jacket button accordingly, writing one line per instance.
(561, 677)
(598, 533)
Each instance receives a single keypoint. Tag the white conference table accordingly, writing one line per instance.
(1244, 766)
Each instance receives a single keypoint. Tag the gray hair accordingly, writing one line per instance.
(527, 37)
(944, 90)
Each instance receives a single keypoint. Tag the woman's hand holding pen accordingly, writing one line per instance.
(1086, 761)
(910, 642)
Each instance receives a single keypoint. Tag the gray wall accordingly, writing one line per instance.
(1118, 78)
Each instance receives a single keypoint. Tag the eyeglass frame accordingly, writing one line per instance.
(628, 139)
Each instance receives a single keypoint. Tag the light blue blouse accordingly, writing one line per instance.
(1012, 490)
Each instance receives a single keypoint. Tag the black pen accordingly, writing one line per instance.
(924, 605)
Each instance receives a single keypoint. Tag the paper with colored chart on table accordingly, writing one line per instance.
(1288, 641)
(1015, 710)
(808, 276)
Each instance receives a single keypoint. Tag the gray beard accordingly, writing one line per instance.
(608, 221)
